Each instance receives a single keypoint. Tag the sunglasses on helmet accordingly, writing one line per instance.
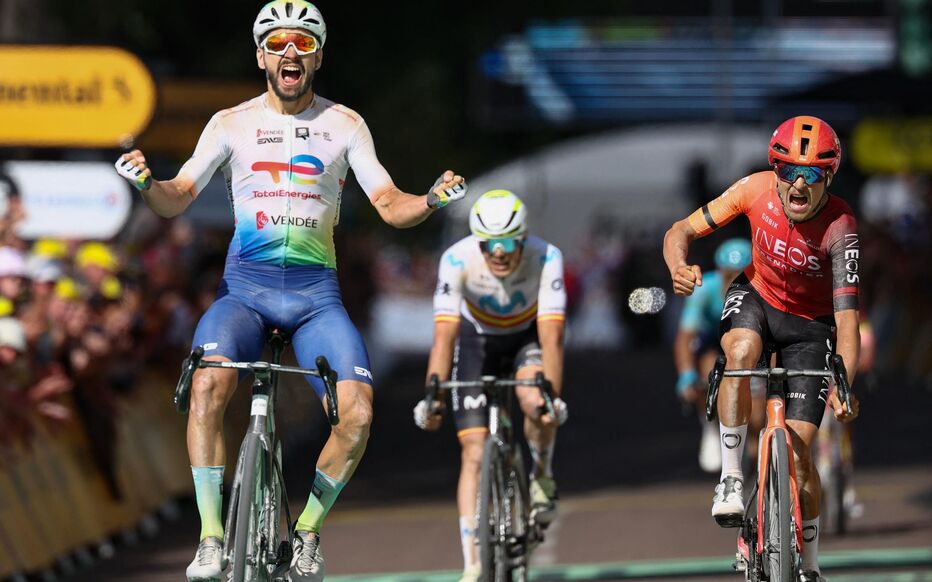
(508, 245)
(278, 43)
(789, 173)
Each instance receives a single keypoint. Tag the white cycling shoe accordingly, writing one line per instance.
(728, 502)
(307, 563)
(207, 565)
(811, 576)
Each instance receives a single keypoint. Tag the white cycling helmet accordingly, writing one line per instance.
(289, 14)
(498, 214)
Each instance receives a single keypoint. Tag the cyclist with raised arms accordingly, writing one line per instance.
(284, 156)
(509, 289)
(799, 294)
(696, 345)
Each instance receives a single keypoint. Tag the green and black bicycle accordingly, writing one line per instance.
(258, 539)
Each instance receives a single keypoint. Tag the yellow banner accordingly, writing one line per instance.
(887, 146)
(75, 96)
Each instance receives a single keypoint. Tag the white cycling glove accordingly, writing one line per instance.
(133, 174)
(423, 415)
(448, 195)
(563, 412)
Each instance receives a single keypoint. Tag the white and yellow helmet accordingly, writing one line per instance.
(289, 14)
(498, 214)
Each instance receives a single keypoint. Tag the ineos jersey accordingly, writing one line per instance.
(810, 268)
(284, 176)
(466, 286)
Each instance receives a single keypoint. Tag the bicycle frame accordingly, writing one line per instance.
(262, 424)
(776, 421)
(259, 443)
(515, 531)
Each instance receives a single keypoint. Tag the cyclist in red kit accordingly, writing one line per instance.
(799, 296)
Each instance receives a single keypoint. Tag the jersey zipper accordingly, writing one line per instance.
(286, 219)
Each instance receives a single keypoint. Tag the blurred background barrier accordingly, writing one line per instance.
(55, 505)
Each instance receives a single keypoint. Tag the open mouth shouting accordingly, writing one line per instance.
(797, 202)
(291, 74)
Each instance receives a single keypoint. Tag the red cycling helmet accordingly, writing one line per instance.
(805, 141)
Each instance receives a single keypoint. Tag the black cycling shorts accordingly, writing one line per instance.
(799, 343)
(479, 355)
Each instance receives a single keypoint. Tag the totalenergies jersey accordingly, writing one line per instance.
(498, 306)
(810, 268)
(285, 175)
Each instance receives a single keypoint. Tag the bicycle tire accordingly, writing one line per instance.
(491, 514)
(778, 523)
(248, 510)
(521, 519)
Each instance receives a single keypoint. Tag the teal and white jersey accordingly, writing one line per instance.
(497, 306)
(285, 175)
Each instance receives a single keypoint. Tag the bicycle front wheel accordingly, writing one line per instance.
(779, 557)
(248, 547)
(492, 522)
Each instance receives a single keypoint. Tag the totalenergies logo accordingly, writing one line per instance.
(303, 164)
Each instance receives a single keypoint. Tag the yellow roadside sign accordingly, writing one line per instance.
(892, 145)
(78, 96)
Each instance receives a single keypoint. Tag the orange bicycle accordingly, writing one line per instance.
(770, 542)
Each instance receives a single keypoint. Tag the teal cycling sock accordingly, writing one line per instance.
(324, 493)
(208, 490)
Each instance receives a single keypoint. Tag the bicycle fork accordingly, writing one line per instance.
(776, 421)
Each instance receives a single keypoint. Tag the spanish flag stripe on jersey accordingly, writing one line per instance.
(499, 321)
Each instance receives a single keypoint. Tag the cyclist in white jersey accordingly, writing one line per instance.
(284, 155)
(509, 289)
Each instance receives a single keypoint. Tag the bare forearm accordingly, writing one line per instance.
(168, 198)
(849, 341)
(551, 344)
(403, 210)
(682, 354)
(676, 245)
(441, 353)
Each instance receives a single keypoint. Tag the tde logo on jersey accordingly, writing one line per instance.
(300, 165)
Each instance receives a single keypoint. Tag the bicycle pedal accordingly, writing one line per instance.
(729, 520)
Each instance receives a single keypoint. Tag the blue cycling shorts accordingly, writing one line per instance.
(302, 301)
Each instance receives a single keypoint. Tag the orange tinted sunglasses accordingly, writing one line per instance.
(277, 44)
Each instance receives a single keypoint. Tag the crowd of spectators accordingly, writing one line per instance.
(81, 320)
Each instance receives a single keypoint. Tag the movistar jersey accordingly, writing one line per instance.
(284, 176)
(466, 285)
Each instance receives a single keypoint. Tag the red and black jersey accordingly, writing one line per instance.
(809, 268)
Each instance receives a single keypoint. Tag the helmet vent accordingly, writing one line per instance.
(803, 146)
(266, 21)
(312, 20)
(807, 127)
(780, 149)
(303, 12)
(288, 8)
(826, 155)
(275, 13)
